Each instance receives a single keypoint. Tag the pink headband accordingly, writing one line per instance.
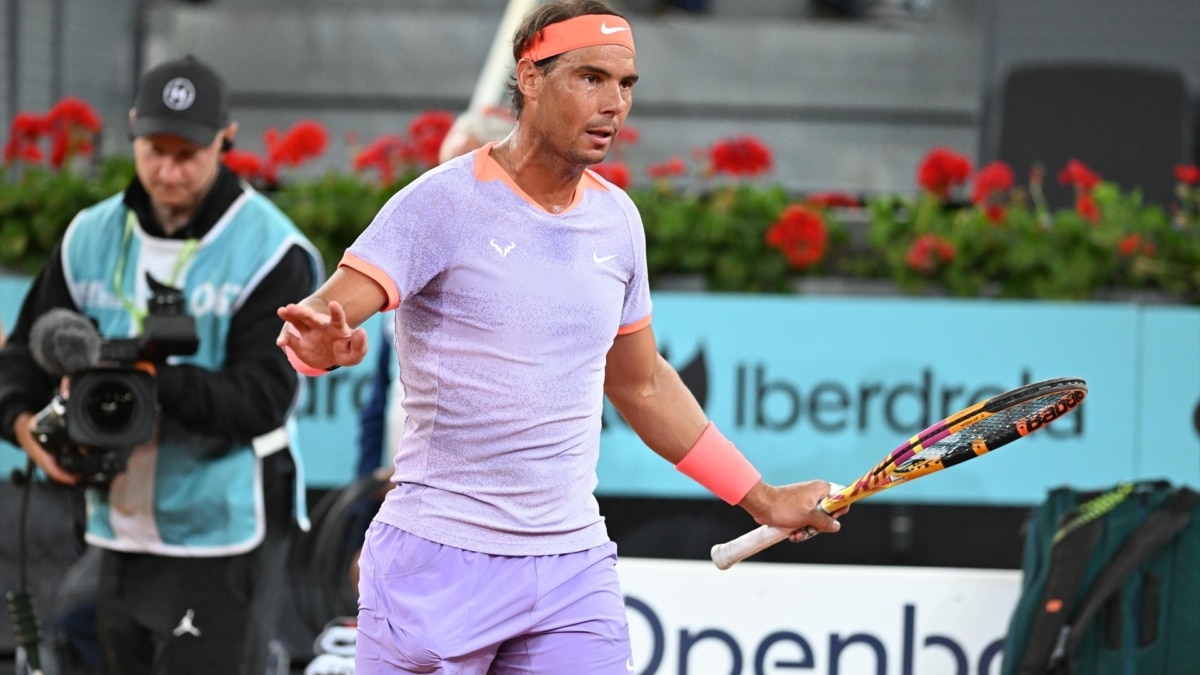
(588, 30)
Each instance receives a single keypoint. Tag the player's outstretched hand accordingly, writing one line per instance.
(321, 340)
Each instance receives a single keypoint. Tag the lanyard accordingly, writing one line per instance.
(190, 246)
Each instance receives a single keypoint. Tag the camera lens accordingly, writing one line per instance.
(110, 406)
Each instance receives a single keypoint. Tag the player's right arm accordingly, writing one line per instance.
(323, 330)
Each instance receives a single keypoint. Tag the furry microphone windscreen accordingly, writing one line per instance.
(63, 342)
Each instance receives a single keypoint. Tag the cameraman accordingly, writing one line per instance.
(194, 533)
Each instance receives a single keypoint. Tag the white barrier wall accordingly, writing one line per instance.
(688, 618)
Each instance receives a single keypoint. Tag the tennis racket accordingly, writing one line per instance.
(966, 434)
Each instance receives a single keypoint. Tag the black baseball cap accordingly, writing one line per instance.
(184, 97)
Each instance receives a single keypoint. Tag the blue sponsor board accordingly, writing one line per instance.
(822, 388)
(814, 387)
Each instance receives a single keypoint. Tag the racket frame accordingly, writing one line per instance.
(892, 471)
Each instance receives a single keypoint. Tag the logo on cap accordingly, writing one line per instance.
(179, 94)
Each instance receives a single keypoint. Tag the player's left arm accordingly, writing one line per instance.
(652, 398)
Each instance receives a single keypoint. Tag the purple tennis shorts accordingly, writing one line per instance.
(429, 608)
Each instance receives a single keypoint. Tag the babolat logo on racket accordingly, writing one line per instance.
(1061, 407)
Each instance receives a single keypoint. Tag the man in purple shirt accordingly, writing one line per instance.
(519, 283)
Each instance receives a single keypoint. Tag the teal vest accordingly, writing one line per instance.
(184, 493)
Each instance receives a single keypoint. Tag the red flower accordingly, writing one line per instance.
(991, 179)
(244, 163)
(425, 135)
(941, 170)
(73, 113)
(1187, 174)
(1078, 175)
(71, 125)
(24, 132)
(1134, 244)
(381, 154)
(671, 167)
(929, 253)
(60, 146)
(828, 200)
(28, 127)
(1086, 206)
(800, 234)
(742, 156)
(616, 173)
(304, 141)
(26, 152)
(995, 214)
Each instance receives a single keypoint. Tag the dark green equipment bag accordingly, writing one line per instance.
(1111, 584)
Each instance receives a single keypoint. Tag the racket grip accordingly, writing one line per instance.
(728, 554)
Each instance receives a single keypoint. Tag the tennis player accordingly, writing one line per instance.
(519, 282)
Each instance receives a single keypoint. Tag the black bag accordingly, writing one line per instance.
(1111, 584)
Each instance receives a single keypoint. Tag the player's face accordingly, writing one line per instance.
(175, 171)
(584, 100)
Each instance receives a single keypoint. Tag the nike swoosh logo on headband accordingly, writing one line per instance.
(609, 31)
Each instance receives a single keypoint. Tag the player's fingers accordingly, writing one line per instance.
(823, 522)
(337, 316)
(287, 335)
(358, 341)
(357, 345)
(802, 534)
(293, 313)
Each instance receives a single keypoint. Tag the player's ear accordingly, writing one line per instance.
(528, 77)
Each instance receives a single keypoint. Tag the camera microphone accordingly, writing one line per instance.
(63, 342)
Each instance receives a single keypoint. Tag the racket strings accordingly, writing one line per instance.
(984, 434)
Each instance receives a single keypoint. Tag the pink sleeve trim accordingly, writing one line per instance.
(716, 463)
(377, 275)
(635, 326)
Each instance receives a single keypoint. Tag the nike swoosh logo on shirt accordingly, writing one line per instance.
(609, 31)
(597, 259)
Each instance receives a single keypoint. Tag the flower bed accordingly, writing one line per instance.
(713, 216)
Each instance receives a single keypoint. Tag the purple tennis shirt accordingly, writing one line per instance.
(504, 315)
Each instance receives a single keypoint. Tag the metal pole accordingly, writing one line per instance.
(12, 39)
(57, 19)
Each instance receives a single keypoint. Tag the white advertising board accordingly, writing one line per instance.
(688, 618)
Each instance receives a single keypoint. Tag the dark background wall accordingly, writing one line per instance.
(845, 103)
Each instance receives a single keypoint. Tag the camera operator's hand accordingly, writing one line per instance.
(322, 341)
(23, 429)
